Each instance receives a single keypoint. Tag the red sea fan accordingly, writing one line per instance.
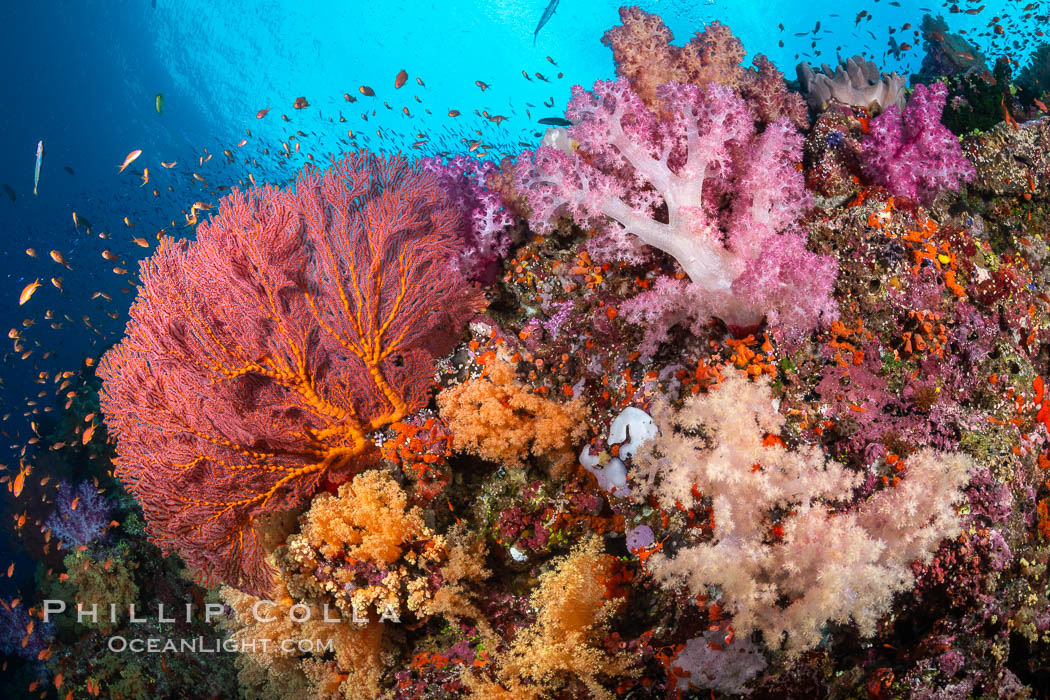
(261, 357)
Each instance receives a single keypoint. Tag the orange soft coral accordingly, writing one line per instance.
(499, 419)
(643, 53)
(367, 520)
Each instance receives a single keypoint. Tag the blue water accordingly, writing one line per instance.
(82, 77)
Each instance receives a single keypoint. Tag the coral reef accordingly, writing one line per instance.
(1036, 75)
(947, 54)
(696, 398)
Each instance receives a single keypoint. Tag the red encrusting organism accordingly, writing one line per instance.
(260, 358)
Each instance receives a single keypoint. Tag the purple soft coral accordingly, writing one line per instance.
(485, 234)
(21, 634)
(80, 514)
(911, 153)
(732, 196)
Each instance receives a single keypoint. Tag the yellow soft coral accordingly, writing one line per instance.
(101, 585)
(263, 628)
(499, 419)
(369, 527)
(563, 643)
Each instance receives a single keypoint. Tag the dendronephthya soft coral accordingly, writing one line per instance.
(911, 153)
(696, 181)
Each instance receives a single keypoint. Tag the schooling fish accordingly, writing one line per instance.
(555, 121)
(159, 102)
(547, 14)
(39, 158)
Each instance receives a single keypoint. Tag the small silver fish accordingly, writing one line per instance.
(39, 157)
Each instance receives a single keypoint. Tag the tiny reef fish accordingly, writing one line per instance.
(128, 160)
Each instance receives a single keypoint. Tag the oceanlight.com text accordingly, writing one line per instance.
(204, 645)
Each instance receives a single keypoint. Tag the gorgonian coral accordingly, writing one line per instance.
(696, 181)
(262, 356)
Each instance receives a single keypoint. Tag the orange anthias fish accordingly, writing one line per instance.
(367, 91)
(301, 103)
(401, 79)
(262, 113)
(130, 159)
(1006, 113)
(28, 292)
(19, 482)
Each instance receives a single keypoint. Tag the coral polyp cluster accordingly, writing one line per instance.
(706, 394)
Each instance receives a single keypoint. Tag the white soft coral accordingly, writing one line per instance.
(820, 568)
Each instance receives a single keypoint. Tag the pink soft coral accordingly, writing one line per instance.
(699, 183)
(644, 55)
(911, 153)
